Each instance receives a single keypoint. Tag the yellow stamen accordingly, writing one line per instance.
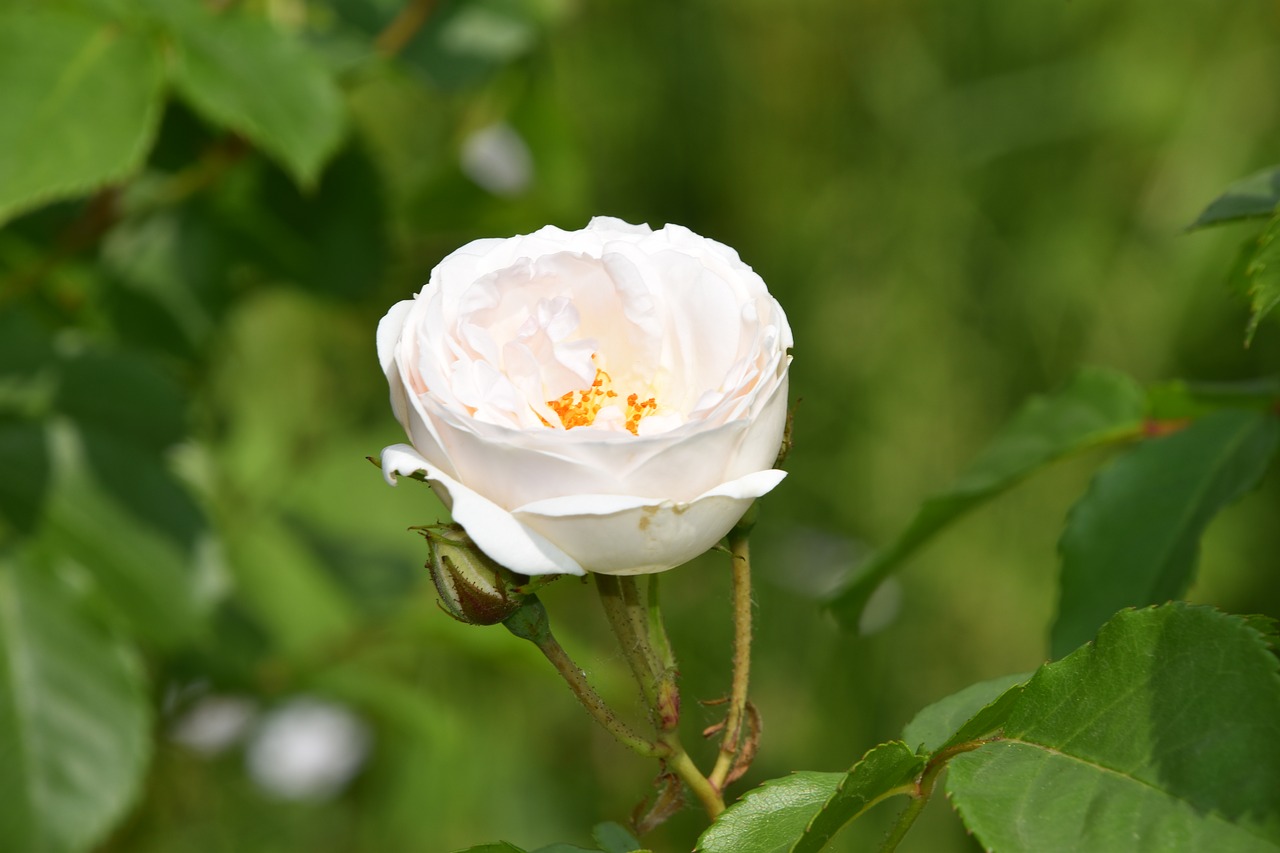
(579, 408)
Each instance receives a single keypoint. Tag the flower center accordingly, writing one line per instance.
(580, 408)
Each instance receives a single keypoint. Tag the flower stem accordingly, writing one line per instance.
(680, 762)
(627, 612)
(658, 629)
(731, 742)
(603, 714)
(531, 623)
(636, 619)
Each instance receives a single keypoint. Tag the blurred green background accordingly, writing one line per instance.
(957, 204)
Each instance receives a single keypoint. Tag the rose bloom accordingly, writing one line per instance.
(606, 400)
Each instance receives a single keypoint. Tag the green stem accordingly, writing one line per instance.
(530, 623)
(658, 629)
(596, 707)
(731, 742)
(637, 621)
(680, 762)
(627, 613)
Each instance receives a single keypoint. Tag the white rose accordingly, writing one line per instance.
(607, 400)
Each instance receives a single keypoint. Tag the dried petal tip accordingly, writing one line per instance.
(473, 588)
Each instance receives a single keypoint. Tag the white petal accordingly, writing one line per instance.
(612, 223)
(620, 535)
(403, 461)
(389, 330)
(494, 530)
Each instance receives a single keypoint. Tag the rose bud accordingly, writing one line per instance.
(606, 400)
(473, 589)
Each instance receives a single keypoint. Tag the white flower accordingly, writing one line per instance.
(606, 400)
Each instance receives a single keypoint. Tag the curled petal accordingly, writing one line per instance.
(496, 532)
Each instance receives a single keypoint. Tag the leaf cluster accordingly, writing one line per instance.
(195, 214)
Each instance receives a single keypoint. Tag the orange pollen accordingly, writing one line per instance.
(637, 409)
(579, 408)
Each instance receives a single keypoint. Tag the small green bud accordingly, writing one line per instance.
(473, 588)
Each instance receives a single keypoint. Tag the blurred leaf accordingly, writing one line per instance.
(1178, 399)
(466, 41)
(1262, 278)
(770, 818)
(882, 773)
(336, 240)
(1096, 407)
(24, 459)
(371, 577)
(1254, 196)
(175, 264)
(123, 395)
(254, 78)
(118, 513)
(463, 41)
(970, 713)
(27, 386)
(78, 108)
(1133, 538)
(282, 583)
(118, 10)
(497, 847)
(25, 347)
(613, 838)
(74, 719)
(1163, 734)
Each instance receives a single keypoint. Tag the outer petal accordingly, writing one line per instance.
(680, 465)
(494, 530)
(619, 535)
(389, 330)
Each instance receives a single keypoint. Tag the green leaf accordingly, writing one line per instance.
(1163, 734)
(970, 713)
(1254, 196)
(79, 106)
(883, 772)
(1267, 626)
(252, 77)
(1096, 407)
(116, 511)
(770, 819)
(1262, 278)
(74, 719)
(612, 838)
(495, 847)
(1133, 538)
